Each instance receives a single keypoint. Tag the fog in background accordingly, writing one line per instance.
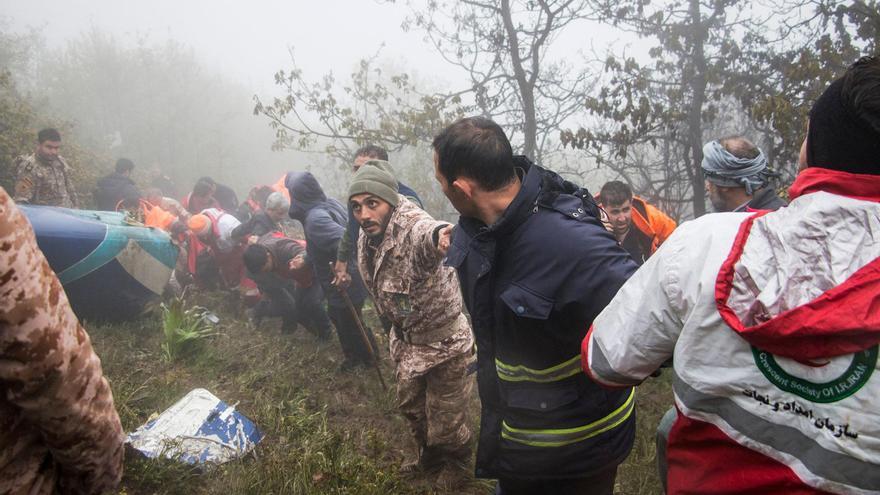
(245, 41)
(246, 92)
(222, 53)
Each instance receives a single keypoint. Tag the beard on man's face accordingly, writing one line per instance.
(371, 229)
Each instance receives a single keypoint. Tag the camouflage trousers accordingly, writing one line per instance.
(435, 404)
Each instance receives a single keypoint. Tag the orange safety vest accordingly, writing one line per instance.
(155, 216)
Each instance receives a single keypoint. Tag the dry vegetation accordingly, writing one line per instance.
(326, 431)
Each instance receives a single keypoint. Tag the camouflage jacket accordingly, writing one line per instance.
(59, 431)
(410, 287)
(39, 183)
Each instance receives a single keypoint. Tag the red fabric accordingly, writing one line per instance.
(585, 364)
(703, 460)
(857, 186)
(196, 246)
(231, 265)
(843, 320)
(215, 227)
(749, 209)
(585, 356)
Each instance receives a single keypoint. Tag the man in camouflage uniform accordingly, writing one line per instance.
(431, 340)
(43, 177)
(59, 432)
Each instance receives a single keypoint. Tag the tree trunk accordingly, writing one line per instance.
(695, 113)
(525, 86)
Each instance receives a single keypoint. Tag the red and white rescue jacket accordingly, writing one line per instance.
(773, 320)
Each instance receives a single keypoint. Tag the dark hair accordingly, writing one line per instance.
(202, 188)
(260, 194)
(372, 151)
(207, 180)
(124, 165)
(740, 147)
(48, 134)
(615, 193)
(255, 257)
(844, 132)
(476, 148)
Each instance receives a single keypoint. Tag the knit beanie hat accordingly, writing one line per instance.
(375, 177)
(199, 224)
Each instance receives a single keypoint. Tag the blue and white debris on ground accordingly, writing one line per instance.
(198, 429)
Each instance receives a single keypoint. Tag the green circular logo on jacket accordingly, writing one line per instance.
(832, 389)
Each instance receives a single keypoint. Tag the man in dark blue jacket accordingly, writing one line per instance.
(535, 266)
(324, 221)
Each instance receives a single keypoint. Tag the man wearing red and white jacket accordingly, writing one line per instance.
(773, 320)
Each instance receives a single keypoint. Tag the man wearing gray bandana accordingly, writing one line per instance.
(737, 176)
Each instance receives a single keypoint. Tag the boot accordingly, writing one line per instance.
(412, 457)
(455, 469)
(432, 459)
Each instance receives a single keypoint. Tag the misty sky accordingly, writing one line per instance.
(249, 40)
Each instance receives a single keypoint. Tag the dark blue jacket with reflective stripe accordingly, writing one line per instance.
(533, 283)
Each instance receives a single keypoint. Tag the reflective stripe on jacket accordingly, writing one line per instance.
(533, 282)
(773, 323)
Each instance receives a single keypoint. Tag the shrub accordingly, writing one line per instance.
(183, 327)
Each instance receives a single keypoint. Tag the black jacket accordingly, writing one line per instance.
(227, 198)
(114, 188)
(258, 224)
(766, 199)
(533, 283)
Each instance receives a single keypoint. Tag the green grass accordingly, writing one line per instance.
(326, 432)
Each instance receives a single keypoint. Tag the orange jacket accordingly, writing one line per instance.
(651, 221)
(156, 216)
(280, 187)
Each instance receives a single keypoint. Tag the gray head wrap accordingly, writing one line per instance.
(724, 169)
